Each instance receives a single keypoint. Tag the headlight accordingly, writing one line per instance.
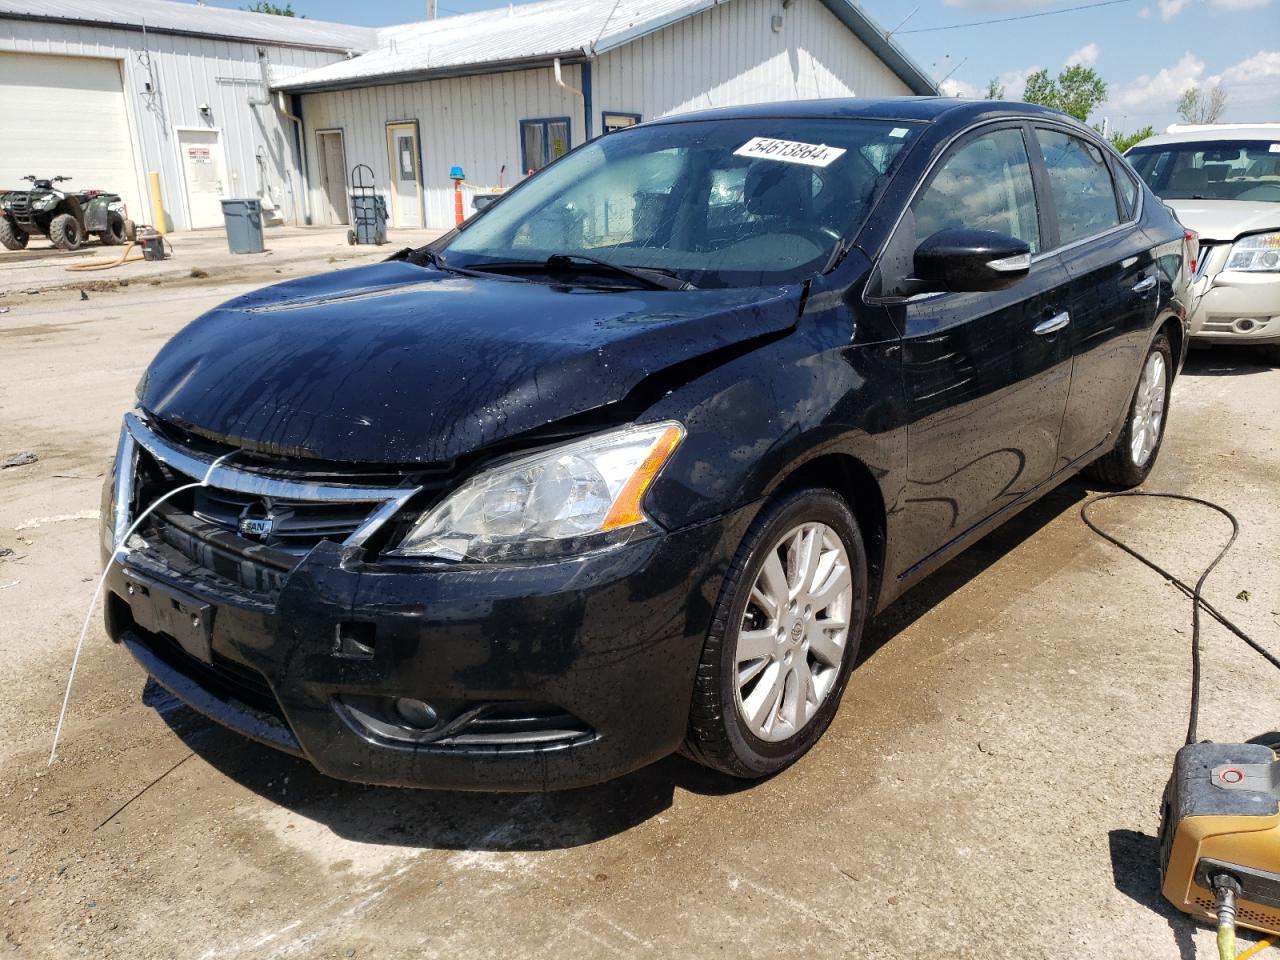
(45, 202)
(561, 500)
(1257, 254)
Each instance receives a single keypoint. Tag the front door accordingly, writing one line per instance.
(986, 377)
(406, 175)
(202, 171)
(333, 175)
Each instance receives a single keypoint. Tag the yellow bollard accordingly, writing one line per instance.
(157, 203)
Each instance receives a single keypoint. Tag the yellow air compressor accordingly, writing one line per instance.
(1220, 835)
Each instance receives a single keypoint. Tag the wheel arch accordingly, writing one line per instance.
(855, 482)
(1171, 327)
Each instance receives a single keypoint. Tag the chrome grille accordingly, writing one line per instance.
(296, 525)
(264, 518)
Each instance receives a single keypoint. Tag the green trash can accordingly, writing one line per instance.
(243, 219)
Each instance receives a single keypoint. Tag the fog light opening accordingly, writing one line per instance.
(416, 713)
(1245, 324)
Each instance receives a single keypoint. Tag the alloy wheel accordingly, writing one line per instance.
(794, 630)
(1148, 410)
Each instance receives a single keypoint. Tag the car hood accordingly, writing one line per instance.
(1226, 219)
(395, 363)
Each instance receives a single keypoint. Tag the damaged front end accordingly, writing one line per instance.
(472, 601)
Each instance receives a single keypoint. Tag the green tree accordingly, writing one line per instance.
(264, 6)
(1078, 90)
(995, 89)
(1123, 141)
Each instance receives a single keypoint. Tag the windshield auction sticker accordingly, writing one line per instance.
(789, 151)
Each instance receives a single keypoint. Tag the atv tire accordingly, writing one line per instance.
(65, 232)
(11, 238)
(117, 231)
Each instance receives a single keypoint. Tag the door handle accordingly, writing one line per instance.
(1053, 324)
(1145, 284)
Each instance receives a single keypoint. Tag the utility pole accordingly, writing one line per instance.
(431, 9)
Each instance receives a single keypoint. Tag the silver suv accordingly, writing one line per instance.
(1223, 181)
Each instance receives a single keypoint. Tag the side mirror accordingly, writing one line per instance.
(483, 201)
(960, 260)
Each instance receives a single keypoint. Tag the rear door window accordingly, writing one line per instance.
(1080, 181)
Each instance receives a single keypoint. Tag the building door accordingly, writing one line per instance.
(202, 171)
(66, 116)
(406, 175)
(333, 176)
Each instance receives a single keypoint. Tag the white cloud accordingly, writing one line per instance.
(1171, 8)
(1253, 80)
(1086, 56)
(1144, 13)
(1239, 4)
(1157, 90)
(953, 87)
(1015, 82)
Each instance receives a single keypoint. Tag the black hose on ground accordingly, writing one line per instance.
(1194, 593)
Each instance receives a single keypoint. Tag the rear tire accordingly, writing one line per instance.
(65, 232)
(1130, 461)
(116, 232)
(11, 238)
(753, 716)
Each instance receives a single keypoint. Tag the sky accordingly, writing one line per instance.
(1148, 51)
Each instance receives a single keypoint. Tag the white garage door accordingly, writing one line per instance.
(66, 116)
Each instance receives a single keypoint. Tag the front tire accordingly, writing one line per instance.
(11, 238)
(783, 638)
(65, 232)
(1130, 461)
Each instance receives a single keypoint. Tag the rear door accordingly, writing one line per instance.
(986, 374)
(1114, 288)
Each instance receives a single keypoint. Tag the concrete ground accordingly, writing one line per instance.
(990, 786)
(193, 255)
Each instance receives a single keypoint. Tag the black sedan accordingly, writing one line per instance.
(623, 465)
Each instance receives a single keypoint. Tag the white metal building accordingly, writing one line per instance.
(502, 92)
(104, 91)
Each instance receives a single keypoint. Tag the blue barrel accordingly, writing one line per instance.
(243, 219)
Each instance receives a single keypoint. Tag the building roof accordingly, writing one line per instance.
(189, 19)
(535, 33)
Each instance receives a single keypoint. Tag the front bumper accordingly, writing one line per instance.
(1234, 307)
(613, 639)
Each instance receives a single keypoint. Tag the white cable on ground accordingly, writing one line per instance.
(97, 591)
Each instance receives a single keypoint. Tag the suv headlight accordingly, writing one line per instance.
(1259, 253)
(567, 499)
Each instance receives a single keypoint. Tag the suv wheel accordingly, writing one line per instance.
(65, 232)
(1138, 445)
(11, 238)
(783, 639)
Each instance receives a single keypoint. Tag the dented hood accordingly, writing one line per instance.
(395, 363)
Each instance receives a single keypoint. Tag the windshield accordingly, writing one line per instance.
(1213, 170)
(721, 203)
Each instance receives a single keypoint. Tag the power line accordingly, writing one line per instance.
(1023, 16)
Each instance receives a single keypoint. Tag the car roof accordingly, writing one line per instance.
(1209, 132)
(918, 109)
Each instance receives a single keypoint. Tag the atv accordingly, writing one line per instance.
(65, 218)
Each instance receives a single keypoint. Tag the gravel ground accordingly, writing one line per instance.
(990, 786)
